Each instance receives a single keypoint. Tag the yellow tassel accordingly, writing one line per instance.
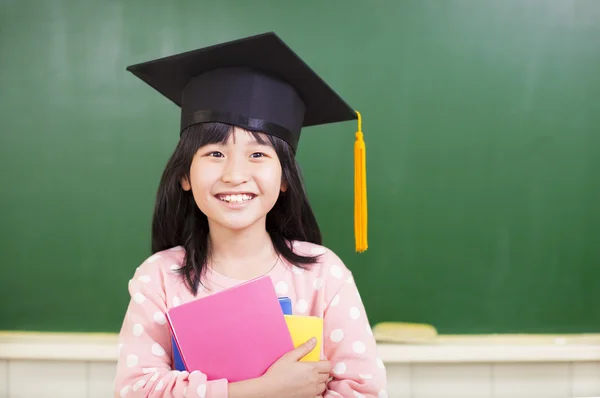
(360, 190)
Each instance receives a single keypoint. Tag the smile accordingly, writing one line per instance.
(237, 198)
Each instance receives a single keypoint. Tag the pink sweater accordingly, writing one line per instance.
(326, 290)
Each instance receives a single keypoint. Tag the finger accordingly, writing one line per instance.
(303, 349)
(321, 387)
(323, 366)
(323, 378)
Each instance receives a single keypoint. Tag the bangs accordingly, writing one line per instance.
(218, 133)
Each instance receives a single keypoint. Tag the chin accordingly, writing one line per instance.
(238, 224)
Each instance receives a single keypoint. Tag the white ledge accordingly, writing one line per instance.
(96, 347)
(395, 353)
(58, 346)
(496, 348)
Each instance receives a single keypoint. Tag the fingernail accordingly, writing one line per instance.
(312, 341)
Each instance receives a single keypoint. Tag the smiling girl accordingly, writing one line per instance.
(231, 206)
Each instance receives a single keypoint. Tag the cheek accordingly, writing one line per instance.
(202, 179)
(271, 180)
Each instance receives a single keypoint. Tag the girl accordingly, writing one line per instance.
(231, 206)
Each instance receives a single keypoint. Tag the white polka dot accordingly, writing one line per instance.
(132, 360)
(159, 318)
(176, 301)
(138, 330)
(174, 268)
(359, 347)
(336, 271)
(318, 283)
(159, 386)
(139, 298)
(201, 390)
(301, 306)
(144, 278)
(336, 300)
(119, 348)
(281, 288)
(124, 391)
(365, 377)
(369, 330)
(154, 377)
(349, 279)
(339, 368)
(139, 384)
(149, 370)
(334, 393)
(382, 394)
(157, 350)
(298, 270)
(380, 363)
(153, 258)
(318, 250)
(358, 395)
(337, 335)
(354, 313)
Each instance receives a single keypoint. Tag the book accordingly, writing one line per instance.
(177, 360)
(236, 334)
(302, 328)
(286, 307)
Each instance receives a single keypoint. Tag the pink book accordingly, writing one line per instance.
(235, 334)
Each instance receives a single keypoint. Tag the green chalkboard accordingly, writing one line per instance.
(482, 123)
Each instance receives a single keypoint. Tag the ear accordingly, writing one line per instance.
(284, 186)
(185, 183)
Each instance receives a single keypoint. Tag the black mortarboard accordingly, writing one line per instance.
(260, 84)
(257, 83)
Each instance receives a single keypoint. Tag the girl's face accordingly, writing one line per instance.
(236, 183)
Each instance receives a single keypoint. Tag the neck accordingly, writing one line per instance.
(241, 254)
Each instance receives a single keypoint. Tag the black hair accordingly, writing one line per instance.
(177, 220)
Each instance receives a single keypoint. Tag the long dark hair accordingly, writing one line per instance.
(177, 220)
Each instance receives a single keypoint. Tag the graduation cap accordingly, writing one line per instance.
(257, 83)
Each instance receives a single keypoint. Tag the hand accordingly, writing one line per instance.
(290, 378)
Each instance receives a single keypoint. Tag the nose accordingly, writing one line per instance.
(235, 171)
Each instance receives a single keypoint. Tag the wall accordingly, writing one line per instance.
(94, 379)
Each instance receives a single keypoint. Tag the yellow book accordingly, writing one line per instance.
(303, 328)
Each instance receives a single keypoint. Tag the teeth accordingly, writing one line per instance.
(236, 198)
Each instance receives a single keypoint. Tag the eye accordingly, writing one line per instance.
(258, 155)
(215, 154)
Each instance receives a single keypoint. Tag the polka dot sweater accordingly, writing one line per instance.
(326, 290)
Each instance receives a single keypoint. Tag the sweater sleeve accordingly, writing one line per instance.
(349, 344)
(144, 363)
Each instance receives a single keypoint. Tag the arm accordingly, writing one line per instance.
(144, 364)
(349, 344)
